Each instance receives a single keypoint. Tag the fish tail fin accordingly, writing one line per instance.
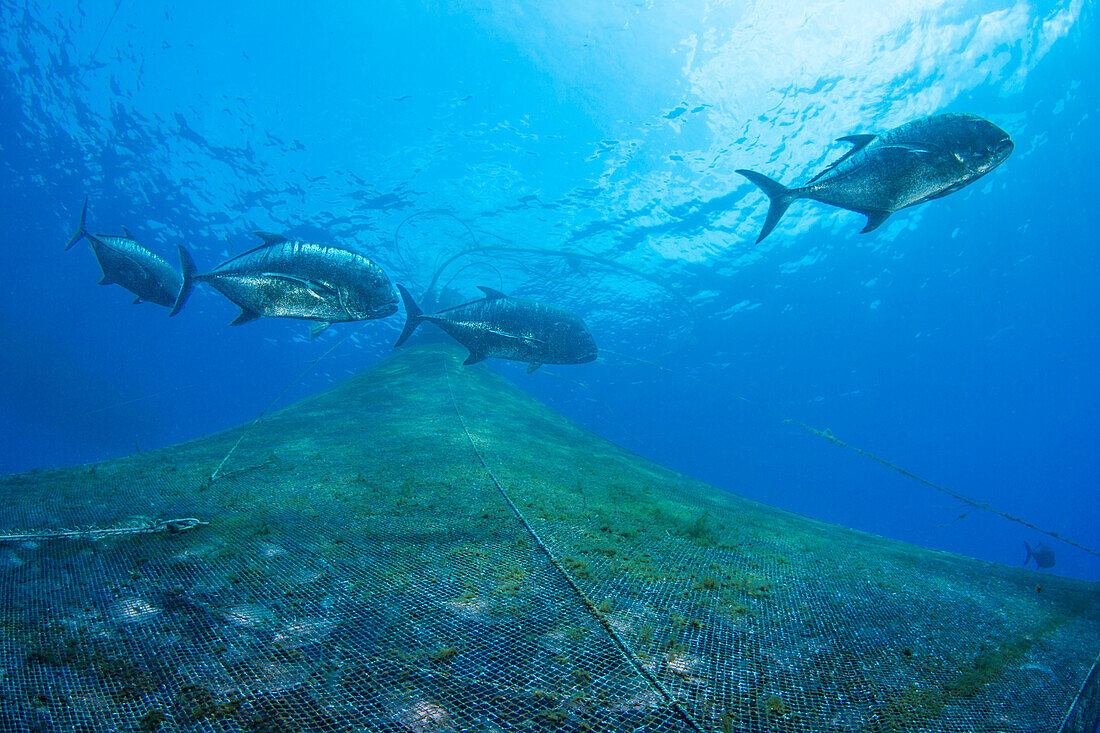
(779, 195)
(80, 230)
(1030, 554)
(413, 315)
(187, 269)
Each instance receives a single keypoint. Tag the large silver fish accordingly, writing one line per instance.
(125, 262)
(1043, 556)
(508, 328)
(289, 278)
(908, 165)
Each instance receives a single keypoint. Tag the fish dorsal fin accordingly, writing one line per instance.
(490, 293)
(858, 142)
(126, 232)
(271, 238)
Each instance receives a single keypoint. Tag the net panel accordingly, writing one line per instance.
(424, 548)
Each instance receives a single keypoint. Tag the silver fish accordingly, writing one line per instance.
(508, 328)
(125, 262)
(289, 278)
(916, 162)
(1043, 556)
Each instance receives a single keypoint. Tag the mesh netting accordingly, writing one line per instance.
(423, 548)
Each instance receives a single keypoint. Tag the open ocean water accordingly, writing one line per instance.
(585, 154)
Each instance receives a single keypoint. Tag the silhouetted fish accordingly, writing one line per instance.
(508, 328)
(1043, 556)
(125, 262)
(293, 279)
(908, 165)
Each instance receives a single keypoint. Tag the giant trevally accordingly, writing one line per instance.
(125, 262)
(908, 165)
(1042, 555)
(508, 328)
(289, 278)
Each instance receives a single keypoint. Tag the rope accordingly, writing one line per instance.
(611, 632)
(268, 406)
(1087, 701)
(828, 435)
(170, 526)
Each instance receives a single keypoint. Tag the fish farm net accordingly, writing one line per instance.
(425, 548)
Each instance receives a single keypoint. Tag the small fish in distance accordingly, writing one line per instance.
(125, 262)
(288, 278)
(508, 328)
(1042, 555)
(916, 162)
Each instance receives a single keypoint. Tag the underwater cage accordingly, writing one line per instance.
(425, 548)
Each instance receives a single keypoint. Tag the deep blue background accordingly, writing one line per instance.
(959, 341)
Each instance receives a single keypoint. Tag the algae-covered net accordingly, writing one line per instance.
(424, 548)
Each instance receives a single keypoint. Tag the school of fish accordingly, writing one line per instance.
(918, 161)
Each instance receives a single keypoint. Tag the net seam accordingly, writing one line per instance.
(588, 604)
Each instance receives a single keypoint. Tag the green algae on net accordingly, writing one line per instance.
(423, 547)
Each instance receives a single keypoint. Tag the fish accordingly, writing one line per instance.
(290, 278)
(919, 161)
(508, 328)
(125, 262)
(1044, 556)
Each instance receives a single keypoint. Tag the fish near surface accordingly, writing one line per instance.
(508, 328)
(125, 262)
(1042, 555)
(288, 278)
(916, 162)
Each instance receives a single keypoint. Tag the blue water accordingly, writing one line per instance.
(958, 341)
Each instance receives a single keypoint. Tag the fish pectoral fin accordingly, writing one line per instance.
(533, 366)
(311, 285)
(474, 357)
(318, 328)
(874, 219)
(136, 300)
(244, 317)
(858, 142)
(105, 281)
(491, 293)
(917, 150)
(525, 339)
(940, 194)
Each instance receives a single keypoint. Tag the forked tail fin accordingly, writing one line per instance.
(413, 315)
(80, 230)
(187, 269)
(1030, 554)
(779, 195)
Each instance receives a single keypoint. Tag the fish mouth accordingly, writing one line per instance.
(380, 312)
